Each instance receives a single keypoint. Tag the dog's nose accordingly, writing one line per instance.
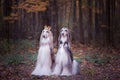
(62, 34)
(61, 42)
(43, 36)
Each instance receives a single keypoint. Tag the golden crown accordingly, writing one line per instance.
(47, 27)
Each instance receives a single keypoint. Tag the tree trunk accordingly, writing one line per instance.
(85, 22)
(93, 23)
(80, 22)
(53, 10)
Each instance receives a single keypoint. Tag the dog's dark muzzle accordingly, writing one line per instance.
(62, 34)
(44, 36)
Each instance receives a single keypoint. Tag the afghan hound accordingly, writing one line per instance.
(44, 58)
(64, 63)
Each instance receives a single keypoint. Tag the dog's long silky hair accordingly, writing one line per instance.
(46, 36)
(65, 32)
(64, 63)
(44, 58)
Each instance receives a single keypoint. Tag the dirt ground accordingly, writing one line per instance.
(89, 70)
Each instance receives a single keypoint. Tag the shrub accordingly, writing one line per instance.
(98, 58)
(23, 45)
(12, 59)
(5, 46)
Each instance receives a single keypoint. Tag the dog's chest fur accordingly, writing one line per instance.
(63, 39)
(45, 54)
(63, 56)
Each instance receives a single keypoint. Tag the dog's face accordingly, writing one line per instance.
(64, 32)
(45, 33)
(64, 36)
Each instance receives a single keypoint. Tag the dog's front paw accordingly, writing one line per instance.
(35, 73)
(56, 73)
(66, 72)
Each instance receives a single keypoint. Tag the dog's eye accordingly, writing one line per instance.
(60, 42)
(65, 30)
(47, 31)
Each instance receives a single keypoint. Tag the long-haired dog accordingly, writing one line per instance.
(64, 63)
(44, 58)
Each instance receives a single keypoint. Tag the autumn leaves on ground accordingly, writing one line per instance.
(18, 60)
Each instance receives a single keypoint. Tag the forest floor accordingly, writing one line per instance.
(95, 63)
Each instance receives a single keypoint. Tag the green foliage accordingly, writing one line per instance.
(5, 46)
(79, 60)
(27, 43)
(97, 58)
(24, 45)
(16, 59)
(102, 60)
(20, 48)
(32, 57)
(12, 59)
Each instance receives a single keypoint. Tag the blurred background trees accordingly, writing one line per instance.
(92, 22)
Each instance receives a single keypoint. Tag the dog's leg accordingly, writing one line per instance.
(67, 70)
(75, 67)
(37, 70)
(57, 69)
(46, 70)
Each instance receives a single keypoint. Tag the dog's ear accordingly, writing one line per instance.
(59, 38)
(45, 27)
(49, 28)
(69, 38)
(69, 34)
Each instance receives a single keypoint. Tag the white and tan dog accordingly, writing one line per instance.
(64, 63)
(44, 58)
